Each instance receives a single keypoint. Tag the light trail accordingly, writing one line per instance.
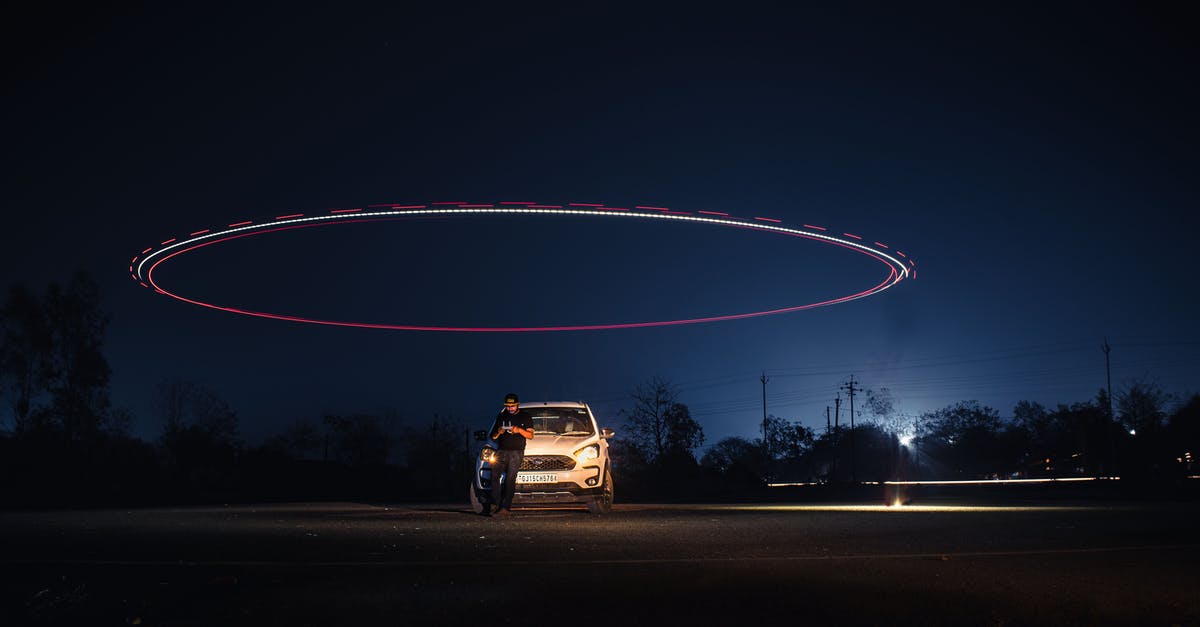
(897, 270)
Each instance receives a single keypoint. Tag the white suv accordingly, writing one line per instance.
(566, 462)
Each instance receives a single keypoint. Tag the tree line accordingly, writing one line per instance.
(68, 445)
(1138, 437)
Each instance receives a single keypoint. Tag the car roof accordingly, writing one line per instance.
(553, 404)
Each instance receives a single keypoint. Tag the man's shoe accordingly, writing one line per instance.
(503, 512)
(486, 510)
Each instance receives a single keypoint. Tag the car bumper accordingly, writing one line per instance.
(571, 486)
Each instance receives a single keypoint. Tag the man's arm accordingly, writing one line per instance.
(525, 428)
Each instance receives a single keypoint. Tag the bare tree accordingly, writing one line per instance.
(196, 418)
(658, 423)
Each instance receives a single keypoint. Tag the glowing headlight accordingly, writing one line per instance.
(587, 453)
(487, 454)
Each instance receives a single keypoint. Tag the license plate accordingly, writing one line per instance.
(538, 477)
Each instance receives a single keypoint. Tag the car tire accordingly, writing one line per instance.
(476, 504)
(603, 504)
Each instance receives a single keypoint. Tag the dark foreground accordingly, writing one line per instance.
(354, 564)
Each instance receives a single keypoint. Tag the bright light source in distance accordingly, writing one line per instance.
(906, 440)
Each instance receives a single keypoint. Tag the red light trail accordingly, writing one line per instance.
(143, 273)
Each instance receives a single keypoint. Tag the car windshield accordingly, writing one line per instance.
(573, 421)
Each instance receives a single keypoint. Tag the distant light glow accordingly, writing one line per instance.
(960, 481)
(144, 270)
(1002, 481)
(886, 508)
(906, 440)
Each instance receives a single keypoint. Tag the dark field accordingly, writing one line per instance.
(353, 563)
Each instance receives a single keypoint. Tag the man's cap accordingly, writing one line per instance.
(511, 398)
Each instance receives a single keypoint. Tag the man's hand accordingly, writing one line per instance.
(526, 433)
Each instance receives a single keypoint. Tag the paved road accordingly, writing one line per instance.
(353, 563)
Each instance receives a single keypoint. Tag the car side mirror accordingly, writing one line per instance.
(607, 433)
(480, 435)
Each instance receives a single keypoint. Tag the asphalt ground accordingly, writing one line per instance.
(645, 564)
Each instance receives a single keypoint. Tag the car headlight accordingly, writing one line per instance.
(587, 453)
(487, 454)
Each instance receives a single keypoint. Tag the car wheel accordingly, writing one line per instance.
(603, 504)
(476, 505)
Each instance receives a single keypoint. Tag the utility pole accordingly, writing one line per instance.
(851, 389)
(766, 442)
(837, 432)
(1112, 419)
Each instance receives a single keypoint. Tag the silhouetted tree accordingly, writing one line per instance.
(880, 405)
(786, 453)
(302, 439)
(659, 424)
(438, 466)
(52, 364)
(200, 435)
(876, 454)
(684, 434)
(1142, 410)
(25, 353)
(1142, 407)
(1183, 436)
(735, 454)
(964, 438)
(357, 439)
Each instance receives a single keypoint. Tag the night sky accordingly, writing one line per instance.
(1038, 164)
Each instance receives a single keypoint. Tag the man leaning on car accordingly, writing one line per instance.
(512, 428)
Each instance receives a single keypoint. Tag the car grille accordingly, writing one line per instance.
(547, 462)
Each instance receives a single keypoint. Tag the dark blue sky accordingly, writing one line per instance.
(1039, 164)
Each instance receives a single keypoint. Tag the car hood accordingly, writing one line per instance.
(557, 444)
